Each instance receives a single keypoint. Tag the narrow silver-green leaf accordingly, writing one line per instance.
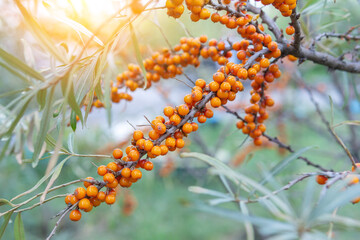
(41, 98)
(45, 121)
(5, 223)
(19, 231)
(73, 120)
(57, 171)
(281, 165)
(20, 65)
(4, 201)
(40, 33)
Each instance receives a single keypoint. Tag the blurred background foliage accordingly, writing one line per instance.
(160, 206)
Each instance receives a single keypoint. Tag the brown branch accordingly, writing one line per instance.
(68, 209)
(346, 36)
(295, 23)
(329, 127)
(281, 144)
(320, 58)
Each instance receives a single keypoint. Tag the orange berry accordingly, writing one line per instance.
(209, 113)
(148, 145)
(138, 135)
(154, 135)
(156, 150)
(219, 77)
(320, 179)
(183, 109)
(68, 198)
(112, 166)
(89, 208)
(101, 196)
(264, 63)
(168, 111)
(134, 155)
(195, 126)
(113, 184)
(170, 142)
(160, 128)
(87, 184)
(73, 199)
(200, 83)
(215, 102)
(109, 178)
(164, 149)
(75, 215)
(110, 199)
(136, 173)
(214, 86)
(80, 193)
(102, 170)
(290, 30)
(175, 119)
(178, 134)
(180, 143)
(196, 95)
(240, 124)
(126, 172)
(84, 203)
(92, 191)
(95, 201)
(272, 46)
(187, 128)
(125, 182)
(148, 166)
(117, 153)
(201, 119)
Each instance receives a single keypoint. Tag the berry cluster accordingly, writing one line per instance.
(284, 6)
(255, 65)
(176, 9)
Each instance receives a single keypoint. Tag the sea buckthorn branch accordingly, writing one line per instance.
(272, 26)
(344, 36)
(329, 127)
(280, 144)
(297, 36)
(63, 214)
(17, 206)
(308, 54)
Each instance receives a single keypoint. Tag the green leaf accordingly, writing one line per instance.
(5, 223)
(4, 201)
(40, 33)
(19, 231)
(281, 165)
(20, 114)
(45, 120)
(16, 73)
(20, 65)
(67, 88)
(201, 190)
(50, 141)
(57, 171)
(98, 91)
(139, 58)
(73, 120)
(41, 98)
(38, 184)
(236, 177)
